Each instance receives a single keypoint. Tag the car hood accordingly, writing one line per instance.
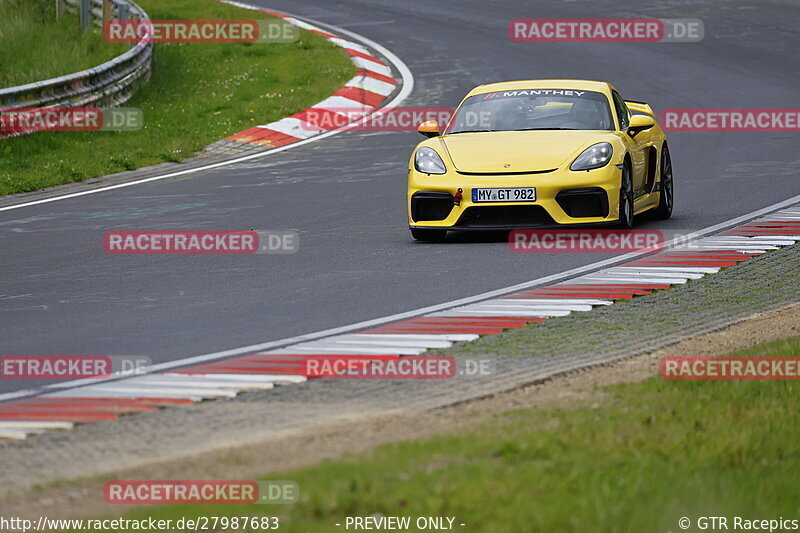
(516, 151)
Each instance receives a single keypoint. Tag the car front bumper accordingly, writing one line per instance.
(563, 197)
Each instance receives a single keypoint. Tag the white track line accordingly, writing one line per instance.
(463, 337)
(638, 274)
(598, 279)
(520, 304)
(723, 248)
(277, 379)
(748, 242)
(34, 424)
(175, 380)
(93, 381)
(89, 392)
(14, 434)
(547, 303)
(126, 386)
(632, 280)
(557, 301)
(244, 379)
(762, 239)
(479, 311)
(663, 270)
(323, 347)
(389, 343)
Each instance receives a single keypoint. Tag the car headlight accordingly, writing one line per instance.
(428, 161)
(596, 156)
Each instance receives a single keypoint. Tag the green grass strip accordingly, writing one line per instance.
(34, 46)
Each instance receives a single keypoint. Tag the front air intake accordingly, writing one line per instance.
(584, 203)
(428, 205)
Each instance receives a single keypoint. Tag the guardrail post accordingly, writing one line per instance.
(108, 11)
(86, 15)
(122, 9)
(59, 9)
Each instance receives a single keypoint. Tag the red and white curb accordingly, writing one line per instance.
(225, 378)
(358, 97)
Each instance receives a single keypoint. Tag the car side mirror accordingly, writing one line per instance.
(429, 128)
(640, 123)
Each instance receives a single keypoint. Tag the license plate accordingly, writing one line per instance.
(505, 194)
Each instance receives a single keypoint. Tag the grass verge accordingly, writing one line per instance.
(34, 46)
(637, 459)
(199, 93)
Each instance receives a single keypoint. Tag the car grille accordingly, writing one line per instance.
(504, 215)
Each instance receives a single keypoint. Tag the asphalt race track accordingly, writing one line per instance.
(60, 293)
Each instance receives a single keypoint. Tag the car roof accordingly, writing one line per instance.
(587, 85)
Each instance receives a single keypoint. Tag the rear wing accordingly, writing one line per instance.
(640, 107)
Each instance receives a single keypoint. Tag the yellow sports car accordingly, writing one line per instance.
(540, 153)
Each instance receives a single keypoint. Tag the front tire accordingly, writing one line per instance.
(626, 198)
(666, 198)
(429, 235)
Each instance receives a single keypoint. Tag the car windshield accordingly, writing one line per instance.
(533, 109)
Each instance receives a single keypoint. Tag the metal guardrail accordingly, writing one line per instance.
(107, 85)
